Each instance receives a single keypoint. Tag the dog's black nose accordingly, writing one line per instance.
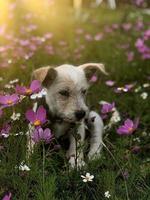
(80, 114)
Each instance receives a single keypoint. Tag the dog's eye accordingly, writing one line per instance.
(84, 91)
(64, 93)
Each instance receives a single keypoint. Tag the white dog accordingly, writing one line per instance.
(66, 87)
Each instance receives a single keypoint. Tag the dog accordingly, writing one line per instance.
(66, 87)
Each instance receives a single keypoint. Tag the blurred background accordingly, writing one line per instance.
(34, 33)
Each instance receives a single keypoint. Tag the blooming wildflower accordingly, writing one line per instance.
(125, 88)
(14, 81)
(137, 89)
(37, 118)
(107, 194)
(128, 128)
(4, 131)
(110, 83)
(144, 95)
(39, 95)
(8, 86)
(7, 196)
(15, 116)
(87, 177)
(24, 167)
(107, 108)
(93, 79)
(34, 88)
(42, 135)
(9, 100)
(145, 85)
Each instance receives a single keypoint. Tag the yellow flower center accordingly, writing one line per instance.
(9, 102)
(130, 129)
(37, 122)
(28, 91)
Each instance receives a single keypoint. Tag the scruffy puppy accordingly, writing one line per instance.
(66, 87)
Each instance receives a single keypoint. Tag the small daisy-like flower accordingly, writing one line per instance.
(87, 177)
(138, 89)
(14, 81)
(41, 94)
(107, 194)
(24, 167)
(15, 116)
(144, 95)
(145, 85)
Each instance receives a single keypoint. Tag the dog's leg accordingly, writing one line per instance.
(96, 129)
(75, 152)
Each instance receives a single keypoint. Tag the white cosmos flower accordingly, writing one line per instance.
(144, 95)
(145, 85)
(14, 81)
(87, 177)
(24, 167)
(107, 194)
(8, 86)
(15, 116)
(138, 89)
(42, 93)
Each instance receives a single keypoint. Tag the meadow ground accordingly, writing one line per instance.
(46, 34)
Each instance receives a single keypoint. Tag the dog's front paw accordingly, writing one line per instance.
(76, 163)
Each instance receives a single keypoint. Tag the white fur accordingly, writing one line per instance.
(74, 79)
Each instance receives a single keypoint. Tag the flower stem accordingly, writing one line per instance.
(43, 167)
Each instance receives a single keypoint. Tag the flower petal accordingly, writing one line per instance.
(30, 115)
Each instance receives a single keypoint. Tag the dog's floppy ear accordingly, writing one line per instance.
(91, 69)
(46, 75)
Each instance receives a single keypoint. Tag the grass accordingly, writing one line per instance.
(61, 183)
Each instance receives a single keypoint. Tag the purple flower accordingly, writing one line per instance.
(37, 118)
(9, 100)
(107, 108)
(4, 131)
(35, 87)
(110, 83)
(7, 196)
(128, 127)
(42, 135)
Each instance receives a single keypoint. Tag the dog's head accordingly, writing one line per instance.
(66, 87)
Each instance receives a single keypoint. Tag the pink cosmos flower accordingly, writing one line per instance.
(107, 108)
(35, 87)
(9, 100)
(7, 196)
(128, 127)
(37, 118)
(110, 83)
(42, 135)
